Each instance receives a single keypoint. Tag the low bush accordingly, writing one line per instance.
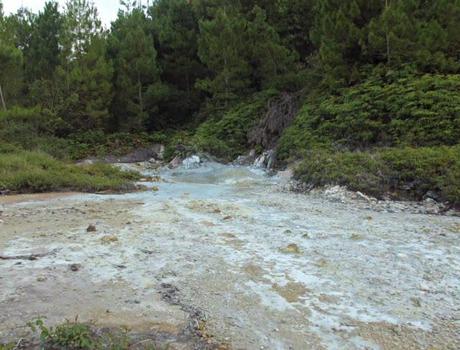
(226, 136)
(387, 110)
(28, 171)
(407, 173)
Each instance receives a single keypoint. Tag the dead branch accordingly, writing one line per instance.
(28, 256)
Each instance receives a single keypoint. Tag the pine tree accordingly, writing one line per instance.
(81, 25)
(43, 50)
(339, 32)
(269, 59)
(175, 29)
(10, 73)
(79, 88)
(137, 75)
(87, 88)
(222, 47)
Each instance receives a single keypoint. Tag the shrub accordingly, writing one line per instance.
(384, 111)
(226, 136)
(403, 173)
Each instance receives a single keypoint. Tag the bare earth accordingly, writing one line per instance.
(220, 256)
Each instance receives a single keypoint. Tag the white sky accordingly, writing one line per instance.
(108, 9)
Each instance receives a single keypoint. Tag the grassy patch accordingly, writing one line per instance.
(403, 172)
(27, 171)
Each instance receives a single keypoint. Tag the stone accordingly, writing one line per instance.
(75, 267)
(109, 239)
(175, 163)
(291, 249)
(91, 228)
(191, 162)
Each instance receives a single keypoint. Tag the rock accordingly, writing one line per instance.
(175, 163)
(291, 249)
(266, 160)
(142, 155)
(91, 228)
(41, 279)
(246, 159)
(191, 162)
(416, 302)
(155, 189)
(363, 196)
(109, 239)
(433, 195)
(227, 218)
(356, 237)
(75, 267)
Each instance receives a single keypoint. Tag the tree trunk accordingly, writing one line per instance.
(2, 98)
(387, 36)
(141, 102)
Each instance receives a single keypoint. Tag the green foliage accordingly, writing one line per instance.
(136, 71)
(390, 110)
(68, 335)
(86, 89)
(27, 171)
(42, 51)
(175, 29)
(99, 144)
(244, 54)
(226, 137)
(222, 48)
(10, 72)
(80, 336)
(403, 173)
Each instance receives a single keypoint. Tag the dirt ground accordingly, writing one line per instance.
(195, 265)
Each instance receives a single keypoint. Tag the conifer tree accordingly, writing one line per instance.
(43, 51)
(175, 29)
(222, 47)
(137, 75)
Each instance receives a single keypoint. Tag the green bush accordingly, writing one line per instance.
(226, 136)
(407, 173)
(79, 336)
(384, 111)
(26, 171)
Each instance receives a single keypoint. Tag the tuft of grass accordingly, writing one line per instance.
(405, 173)
(27, 171)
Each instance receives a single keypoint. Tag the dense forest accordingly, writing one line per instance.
(365, 93)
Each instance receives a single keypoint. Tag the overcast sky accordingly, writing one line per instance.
(107, 8)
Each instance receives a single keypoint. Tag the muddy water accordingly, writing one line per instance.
(221, 253)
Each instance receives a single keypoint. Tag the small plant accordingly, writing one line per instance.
(73, 335)
(9, 346)
(70, 335)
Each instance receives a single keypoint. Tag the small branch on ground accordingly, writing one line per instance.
(27, 257)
